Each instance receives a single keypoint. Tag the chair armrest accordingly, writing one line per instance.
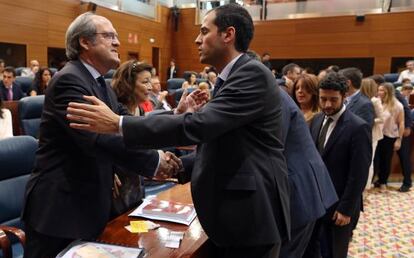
(15, 231)
(5, 245)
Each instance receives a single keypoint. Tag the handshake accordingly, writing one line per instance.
(169, 165)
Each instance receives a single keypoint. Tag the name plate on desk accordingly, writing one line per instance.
(166, 211)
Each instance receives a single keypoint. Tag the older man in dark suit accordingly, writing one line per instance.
(344, 141)
(239, 181)
(68, 195)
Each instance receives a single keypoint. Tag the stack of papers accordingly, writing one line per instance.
(81, 249)
(166, 211)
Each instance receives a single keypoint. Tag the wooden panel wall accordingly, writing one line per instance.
(42, 24)
(381, 36)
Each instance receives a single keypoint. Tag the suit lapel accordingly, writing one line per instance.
(353, 101)
(241, 61)
(95, 87)
(337, 131)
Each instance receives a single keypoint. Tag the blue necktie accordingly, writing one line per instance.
(217, 86)
(102, 83)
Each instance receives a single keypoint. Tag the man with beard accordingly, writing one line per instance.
(344, 141)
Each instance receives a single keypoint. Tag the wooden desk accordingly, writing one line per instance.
(153, 242)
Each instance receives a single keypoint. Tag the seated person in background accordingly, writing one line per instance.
(6, 126)
(408, 73)
(191, 82)
(32, 70)
(131, 83)
(203, 74)
(211, 77)
(203, 86)
(9, 89)
(40, 82)
(157, 97)
(305, 94)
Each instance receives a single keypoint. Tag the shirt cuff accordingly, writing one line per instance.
(121, 118)
(160, 152)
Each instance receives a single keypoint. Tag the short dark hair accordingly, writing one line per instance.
(378, 78)
(354, 75)
(289, 68)
(334, 81)
(334, 68)
(238, 17)
(10, 69)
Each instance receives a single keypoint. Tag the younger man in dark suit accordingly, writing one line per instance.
(9, 89)
(344, 141)
(357, 102)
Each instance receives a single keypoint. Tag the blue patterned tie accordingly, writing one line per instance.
(217, 86)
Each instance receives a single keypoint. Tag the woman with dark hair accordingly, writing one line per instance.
(191, 81)
(131, 83)
(306, 95)
(6, 126)
(40, 82)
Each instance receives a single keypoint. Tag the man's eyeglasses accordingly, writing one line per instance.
(108, 35)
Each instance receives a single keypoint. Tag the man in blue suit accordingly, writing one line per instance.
(345, 143)
(312, 191)
(358, 103)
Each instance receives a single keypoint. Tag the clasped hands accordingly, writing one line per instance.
(169, 165)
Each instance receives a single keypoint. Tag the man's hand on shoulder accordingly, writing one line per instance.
(96, 117)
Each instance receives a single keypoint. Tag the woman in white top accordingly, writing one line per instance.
(369, 88)
(6, 126)
(393, 132)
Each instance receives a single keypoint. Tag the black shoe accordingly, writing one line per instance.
(404, 188)
(377, 184)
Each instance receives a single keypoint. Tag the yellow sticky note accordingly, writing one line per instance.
(138, 226)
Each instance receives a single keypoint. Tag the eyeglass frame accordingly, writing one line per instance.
(108, 35)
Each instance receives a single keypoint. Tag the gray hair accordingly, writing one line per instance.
(82, 26)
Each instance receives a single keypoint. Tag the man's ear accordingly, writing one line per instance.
(229, 34)
(84, 43)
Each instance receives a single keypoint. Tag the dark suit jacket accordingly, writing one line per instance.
(70, 189)
(174, 75)
(362, 106)
(407, 112)
(239, 182)
(311, 189)
(17, 91)
(347, 155)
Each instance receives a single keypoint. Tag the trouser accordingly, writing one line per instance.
(298, 242)
(39, 245)
(385, 150)
(404, 155)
